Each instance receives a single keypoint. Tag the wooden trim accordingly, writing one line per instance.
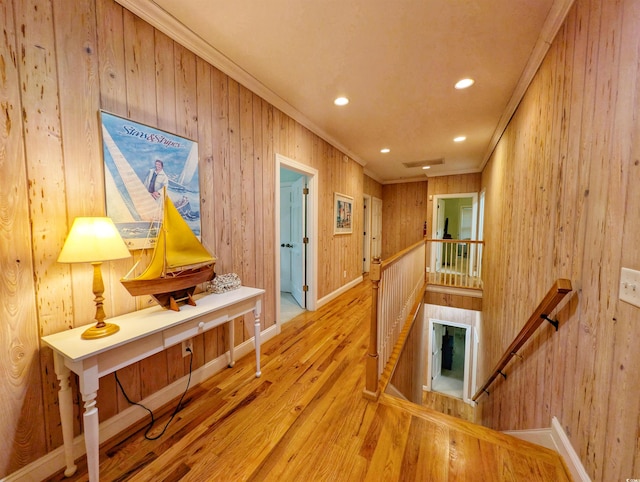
(557, 292)
(567, 452)
(170, 26)
(388, 262)
(557, 15)
(459, 241)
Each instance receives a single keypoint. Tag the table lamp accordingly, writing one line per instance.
(94, 240)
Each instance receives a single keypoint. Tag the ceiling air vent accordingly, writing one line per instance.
(430, 162)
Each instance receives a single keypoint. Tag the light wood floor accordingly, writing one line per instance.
(306, 420)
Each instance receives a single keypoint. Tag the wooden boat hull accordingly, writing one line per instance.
(177, 287)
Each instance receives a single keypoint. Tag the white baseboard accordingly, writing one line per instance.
(339, 291)
(539, 436)
(52, 462)
(565, 449)
(555, 439)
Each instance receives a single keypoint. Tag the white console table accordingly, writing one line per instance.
(142, 334)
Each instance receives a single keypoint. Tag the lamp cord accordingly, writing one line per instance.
(178, 407)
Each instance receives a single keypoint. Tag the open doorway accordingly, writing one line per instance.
(450, 358)
(455, 217)
(292, 250)
(366, 240)
(296, 222)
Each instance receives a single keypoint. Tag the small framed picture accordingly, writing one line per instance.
(343, 214)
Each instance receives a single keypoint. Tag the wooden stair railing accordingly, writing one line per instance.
(396, 284)
(455, 262)
(557, 292)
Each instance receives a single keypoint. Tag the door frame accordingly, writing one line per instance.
(376, 203)
(435, 253)
(366, 248)
(469, 364)
(312, 230)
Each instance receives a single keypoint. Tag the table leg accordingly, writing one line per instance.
(91, 438)
(232, 330)
(89, 391)
(65, 403)
(256, 335)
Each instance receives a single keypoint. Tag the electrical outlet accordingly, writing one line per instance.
(187, 344)
(630, 286)
(344, 273)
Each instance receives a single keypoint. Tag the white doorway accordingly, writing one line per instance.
(450, 364)
(455, 217)
(296, 238)
(366, 240)
(292, 257)
(376, 227)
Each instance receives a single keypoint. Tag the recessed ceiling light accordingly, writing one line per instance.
(460, 139)
(341, 101)
(426, 167)
(385, 150)
(464, 83)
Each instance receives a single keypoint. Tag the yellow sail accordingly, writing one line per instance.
(176, 246)
(183, 247)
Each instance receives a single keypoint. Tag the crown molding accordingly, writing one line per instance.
(157, 17)
(555, 19)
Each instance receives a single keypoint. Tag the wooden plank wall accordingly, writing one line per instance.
(404, 213)
(372, 187)
(60, 63)
(563, 196)
(20, 384)
(407, 377)
(406, 206)
(453, 300)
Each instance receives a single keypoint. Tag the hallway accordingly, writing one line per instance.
(306, 419)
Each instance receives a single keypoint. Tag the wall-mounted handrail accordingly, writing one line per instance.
(557, 292)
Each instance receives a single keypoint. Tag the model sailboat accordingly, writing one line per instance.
(178, 264)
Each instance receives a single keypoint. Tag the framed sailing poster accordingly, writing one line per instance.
(141, 163)
(343, 212)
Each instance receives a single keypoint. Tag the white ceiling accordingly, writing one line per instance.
(396, 60)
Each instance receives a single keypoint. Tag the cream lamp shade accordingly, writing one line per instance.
(94, 240)
(91, 240)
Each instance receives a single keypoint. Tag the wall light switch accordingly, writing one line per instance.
(630, 286)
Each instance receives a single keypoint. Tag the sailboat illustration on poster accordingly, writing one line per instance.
(130, 152)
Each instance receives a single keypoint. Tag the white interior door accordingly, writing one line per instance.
(466, 218)
(436, 250)
(376, 227)
(440, 219)
(285, 239)
(298, 262)
(478, 267)
(436, 352)
(366, 241)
